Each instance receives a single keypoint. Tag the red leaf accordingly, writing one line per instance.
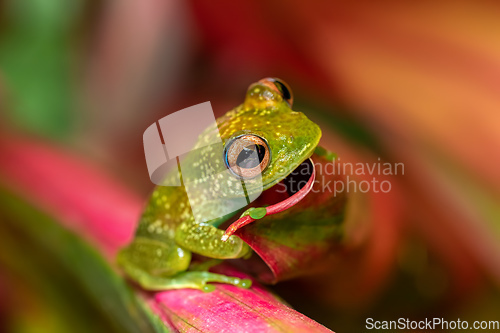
(91, 204)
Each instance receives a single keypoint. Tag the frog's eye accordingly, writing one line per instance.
(247, 155)
(281, 87)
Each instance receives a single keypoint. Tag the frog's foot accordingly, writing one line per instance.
(326, 154)
(190, 279)
(253, 214)
(248, 216)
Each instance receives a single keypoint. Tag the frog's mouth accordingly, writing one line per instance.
(291, 190)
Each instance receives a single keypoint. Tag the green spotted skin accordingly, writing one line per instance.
(159, 256)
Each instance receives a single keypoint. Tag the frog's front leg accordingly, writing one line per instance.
(205, 239)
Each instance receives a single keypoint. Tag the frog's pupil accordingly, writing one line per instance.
(251, 156)
(287, 95)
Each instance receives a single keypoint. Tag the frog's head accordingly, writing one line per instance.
(265, 137)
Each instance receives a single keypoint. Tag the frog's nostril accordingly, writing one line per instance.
(281, 87)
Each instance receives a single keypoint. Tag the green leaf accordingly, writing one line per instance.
(70, 266)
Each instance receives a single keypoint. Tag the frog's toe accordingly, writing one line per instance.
(201, 280)
(245, 283)
(204, 280)
(208, 288)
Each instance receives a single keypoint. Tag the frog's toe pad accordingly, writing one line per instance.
(208, 288)
(245, 283)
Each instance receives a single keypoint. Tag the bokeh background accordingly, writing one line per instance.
(410, 82)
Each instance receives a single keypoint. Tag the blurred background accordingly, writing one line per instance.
(413, 83)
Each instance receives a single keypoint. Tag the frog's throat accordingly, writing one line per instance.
(273, 209)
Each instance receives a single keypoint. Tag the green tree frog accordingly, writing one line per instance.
(159, 257)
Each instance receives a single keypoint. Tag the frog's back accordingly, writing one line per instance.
(167, 208)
